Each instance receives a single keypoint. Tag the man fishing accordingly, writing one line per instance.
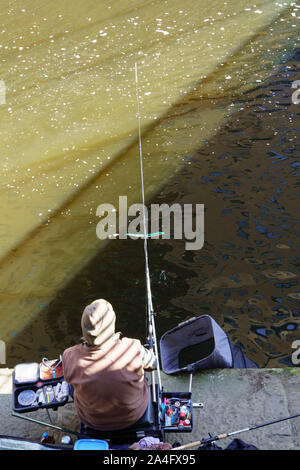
(106, 372)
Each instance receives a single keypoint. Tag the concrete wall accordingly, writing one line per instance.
(233, 399)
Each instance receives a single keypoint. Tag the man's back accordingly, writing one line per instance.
(110, 391)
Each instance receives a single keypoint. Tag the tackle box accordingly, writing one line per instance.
(171, 400)
(33, 383)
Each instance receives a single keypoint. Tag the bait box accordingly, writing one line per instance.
(186, 399)
(49, 380)
(23, 376)
(18, 388)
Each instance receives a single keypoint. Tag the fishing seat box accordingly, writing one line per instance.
(34, 383)
(147, 425)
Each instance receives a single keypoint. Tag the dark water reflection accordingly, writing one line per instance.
(246, 275)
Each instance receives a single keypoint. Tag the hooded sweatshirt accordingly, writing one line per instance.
(110, 389)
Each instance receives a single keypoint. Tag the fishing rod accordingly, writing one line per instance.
(152, 340)
(50, 425)
(233, 433)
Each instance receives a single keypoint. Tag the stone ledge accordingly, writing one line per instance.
(233, 399)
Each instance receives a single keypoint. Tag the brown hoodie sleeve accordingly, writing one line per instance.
(149, 359)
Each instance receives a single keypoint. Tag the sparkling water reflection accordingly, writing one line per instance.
(246, 275)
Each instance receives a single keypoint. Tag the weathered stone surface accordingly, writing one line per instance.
(233, 399)
(236, 399)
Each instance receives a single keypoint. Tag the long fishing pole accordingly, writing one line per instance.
(151, 322)
(233, 433)
(49, 425)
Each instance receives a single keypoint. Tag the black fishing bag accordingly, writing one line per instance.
(200, 343)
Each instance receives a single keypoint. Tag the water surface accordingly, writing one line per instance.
(247, 274)
(69, 142)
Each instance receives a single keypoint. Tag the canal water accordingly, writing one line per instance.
(218, 128)
(245, 276)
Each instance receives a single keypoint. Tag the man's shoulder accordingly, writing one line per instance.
(72, 350)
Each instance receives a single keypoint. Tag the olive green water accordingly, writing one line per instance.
(69, 143)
